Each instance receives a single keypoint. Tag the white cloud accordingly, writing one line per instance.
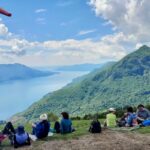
(3, 30)
(130, 17)
(67, 52)
(41, 10)
(70, 51)
(84, 32)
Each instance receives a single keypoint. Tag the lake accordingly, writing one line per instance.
(16, 96)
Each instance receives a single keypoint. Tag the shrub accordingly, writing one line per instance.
(52, 117)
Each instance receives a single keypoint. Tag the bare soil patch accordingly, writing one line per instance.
(108, 140)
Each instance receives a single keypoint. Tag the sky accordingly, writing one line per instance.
(66, 32)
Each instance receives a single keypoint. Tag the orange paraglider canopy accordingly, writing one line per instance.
(4, 12)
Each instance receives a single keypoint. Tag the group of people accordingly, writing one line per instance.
(130, 119)
(41, 129)
(19, 137)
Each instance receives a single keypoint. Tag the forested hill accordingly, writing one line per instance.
(127, 82)
(9, 72)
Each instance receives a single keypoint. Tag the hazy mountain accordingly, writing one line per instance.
(20, 72)
(126, 82)
(79, 67)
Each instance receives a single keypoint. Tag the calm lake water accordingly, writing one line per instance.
(16, 96)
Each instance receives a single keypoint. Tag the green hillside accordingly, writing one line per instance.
(127, 82)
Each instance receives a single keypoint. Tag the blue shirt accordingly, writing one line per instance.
(144, 114)
(130, 119)
(42, 129)
(65, 126)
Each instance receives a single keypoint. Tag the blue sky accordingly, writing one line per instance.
(66, 32)
(58, 20)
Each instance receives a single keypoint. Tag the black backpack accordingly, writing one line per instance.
(95, 127)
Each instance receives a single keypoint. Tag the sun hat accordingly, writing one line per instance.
(111, 109)
(43, 117)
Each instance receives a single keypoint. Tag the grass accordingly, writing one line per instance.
(81, 127)
(144, 130)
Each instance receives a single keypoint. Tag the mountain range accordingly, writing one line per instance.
(87, 67)
(79, 67)
(9, 72)
(127, 82)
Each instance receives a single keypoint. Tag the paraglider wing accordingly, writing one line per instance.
(4, 12)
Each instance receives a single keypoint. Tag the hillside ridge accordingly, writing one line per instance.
(123, 83)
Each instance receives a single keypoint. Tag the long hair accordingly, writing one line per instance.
(65, 115)
(130, 109)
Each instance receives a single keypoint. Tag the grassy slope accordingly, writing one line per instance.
(124, 83)
(81, 127)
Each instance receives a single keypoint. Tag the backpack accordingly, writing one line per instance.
(146, 123)
(21, 138)
(95, 127)
(57, 127)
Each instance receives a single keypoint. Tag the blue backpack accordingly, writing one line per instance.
(21, 138)
(146, 123)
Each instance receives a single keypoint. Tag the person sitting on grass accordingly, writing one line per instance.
(131, 120)
(21, 137)
(9, 132)
(111, 119)
(123, 120)
(66, 124)
(41, 129)
(142, 114)
(17, 137)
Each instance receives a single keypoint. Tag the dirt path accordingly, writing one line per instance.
(108, 140)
